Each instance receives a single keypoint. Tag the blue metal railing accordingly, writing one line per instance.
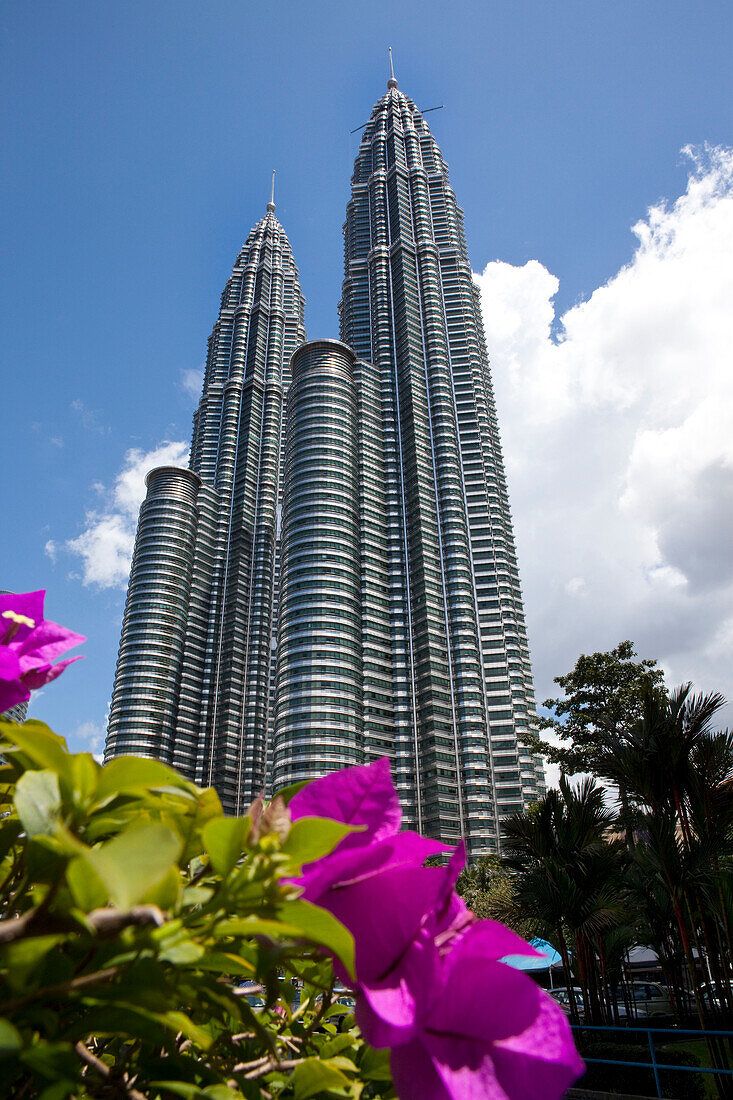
(654, 1065)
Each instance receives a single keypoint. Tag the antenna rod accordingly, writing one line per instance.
(272, 191)
(391, 66)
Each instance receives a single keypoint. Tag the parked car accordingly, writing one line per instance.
(650, 999)
(562, 995)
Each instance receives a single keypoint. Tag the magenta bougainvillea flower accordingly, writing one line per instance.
(429, 980)
(488, 1032)
(28, 645)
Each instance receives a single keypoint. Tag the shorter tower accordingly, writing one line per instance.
(194, 679)
(319, 715)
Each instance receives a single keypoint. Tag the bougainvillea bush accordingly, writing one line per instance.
(152, 947)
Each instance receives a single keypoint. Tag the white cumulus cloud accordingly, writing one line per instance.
(106, 544)
(616, 422)
(192, 382)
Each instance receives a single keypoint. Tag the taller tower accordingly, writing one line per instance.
(194, 674)
(457, 666)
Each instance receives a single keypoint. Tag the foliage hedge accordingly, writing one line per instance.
(131, 913)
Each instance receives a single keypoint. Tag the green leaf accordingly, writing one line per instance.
(38, 744)
(314, 1075)
(10, 1040)
(179, 1021)
(318, 926)
(38, 802)
(224, 839)
(134, 773)
(166, 894)
(260, 926)
(336, 1045)
(289, 792)
(179, 1088)
(181, 950)
(374, 1065)
(312, 837)
(26, 955)
(85, 772)
(87, 889)
(133, 863)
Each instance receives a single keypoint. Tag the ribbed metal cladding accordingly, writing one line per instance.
(461, 679)
(199, 693)
(148, 676)
(319, 707)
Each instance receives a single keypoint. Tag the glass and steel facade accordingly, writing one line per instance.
(460, 674)
(194, 679)
(335, 578)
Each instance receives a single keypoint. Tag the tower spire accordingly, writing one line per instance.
(391, 83)
(271, 203)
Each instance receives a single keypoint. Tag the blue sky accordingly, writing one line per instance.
(138, 141)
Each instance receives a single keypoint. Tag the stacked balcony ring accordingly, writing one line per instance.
(147, 682)
(319, 717)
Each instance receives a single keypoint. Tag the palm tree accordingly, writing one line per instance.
(568, 874)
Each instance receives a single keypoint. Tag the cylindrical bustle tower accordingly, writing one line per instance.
(319, 713)
(148, 673)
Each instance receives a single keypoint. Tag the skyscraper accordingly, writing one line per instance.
(400, 629)
(193, 678)
(460, 673)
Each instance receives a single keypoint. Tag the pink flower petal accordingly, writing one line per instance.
(9, 663)
(384, 913)
(48, 641)
(488, 939)
(37, 677)
(29, 604)
(414, 1075)
(358, 796)
(343, 868)
(390, 1008)
(465, 1069)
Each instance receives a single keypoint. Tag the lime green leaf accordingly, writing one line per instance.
(24, 956)
(313, 1076)
(318, 926)
(289, 792)
(38, 802)
(185, 953)
(133, 863)
(39, 744)
(374, 1065)
(59, 1090)
(312, 837)
(179, 1088)
(224, 839)
(85, 772)
(197, 895)
(87, 889)
(336, 1045)
(260, 926)
(133, 773)
(179, 1021)
(166, 894)
(10, 1040)
(224, 962)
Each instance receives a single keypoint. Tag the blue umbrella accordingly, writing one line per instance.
(548, 957)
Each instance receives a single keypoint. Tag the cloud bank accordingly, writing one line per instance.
(106, 544)
(617, 427)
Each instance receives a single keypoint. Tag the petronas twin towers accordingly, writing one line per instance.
(334, 577)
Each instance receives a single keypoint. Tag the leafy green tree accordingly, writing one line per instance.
(137, 925)
(601, 702)
(487, 888)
